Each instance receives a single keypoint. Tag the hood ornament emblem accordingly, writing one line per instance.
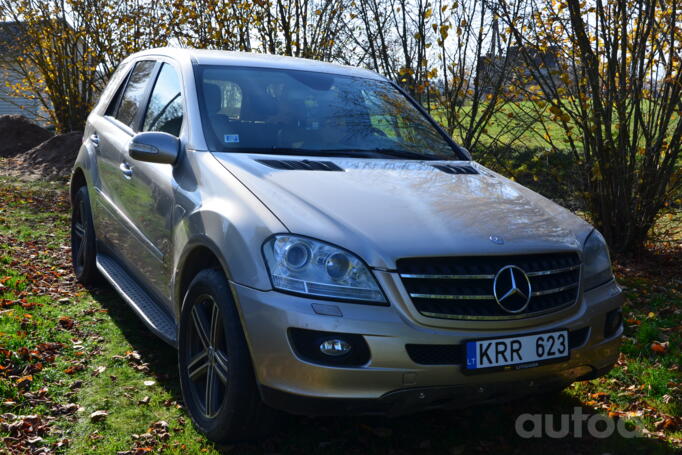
(496, 239)
(511, 289)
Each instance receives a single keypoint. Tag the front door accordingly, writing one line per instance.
(149, 200)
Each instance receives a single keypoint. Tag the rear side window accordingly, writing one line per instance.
(134, 92)
(116, 85)
(164, 112)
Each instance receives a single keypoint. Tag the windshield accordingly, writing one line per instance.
(279, 111)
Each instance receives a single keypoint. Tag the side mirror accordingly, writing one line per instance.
(465, 152)
(154, 147)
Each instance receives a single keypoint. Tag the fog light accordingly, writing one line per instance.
(329, 348)
(335, 347)
(614, 319)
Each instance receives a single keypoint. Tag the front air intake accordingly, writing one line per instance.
(301, 165)
(455, 169)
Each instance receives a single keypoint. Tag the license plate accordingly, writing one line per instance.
(522, 351)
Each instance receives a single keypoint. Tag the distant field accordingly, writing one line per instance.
(517, 125)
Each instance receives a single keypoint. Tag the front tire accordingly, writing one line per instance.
(83, 240)
(216, 375)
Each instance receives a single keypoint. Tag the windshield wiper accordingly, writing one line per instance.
(405, 154)
(354, 153)
(346, 153)
(287, 151)
(395, 153)
(309, 152)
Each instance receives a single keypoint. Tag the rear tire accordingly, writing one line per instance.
(83, 240)
(216, 374)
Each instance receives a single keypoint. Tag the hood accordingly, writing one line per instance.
(384, 210)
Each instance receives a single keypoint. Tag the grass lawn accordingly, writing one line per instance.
(518, 124)
(514, 124)
(67, 352)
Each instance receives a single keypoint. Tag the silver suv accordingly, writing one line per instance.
(312, 241)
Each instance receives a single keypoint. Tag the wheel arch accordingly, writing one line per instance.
(201, 254)
(78, 180)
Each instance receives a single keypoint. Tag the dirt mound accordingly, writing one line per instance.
(18, 134)
(51, 160)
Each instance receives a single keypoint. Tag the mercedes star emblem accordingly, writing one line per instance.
(496, 239)
(511, 289)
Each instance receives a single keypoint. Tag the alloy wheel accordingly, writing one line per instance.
(79, 239)
(207, 368)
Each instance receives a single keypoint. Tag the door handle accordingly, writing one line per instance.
(126, 169)
(94, 138)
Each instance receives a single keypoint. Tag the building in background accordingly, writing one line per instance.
(515, 68)
(10, 103)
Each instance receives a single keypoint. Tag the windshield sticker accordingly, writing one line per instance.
(231, 138)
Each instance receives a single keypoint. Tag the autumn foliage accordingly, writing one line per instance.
(615, 91)
(598, 81)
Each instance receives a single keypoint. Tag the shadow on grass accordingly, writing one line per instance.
(482, 429)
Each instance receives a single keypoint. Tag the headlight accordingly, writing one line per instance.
(306, 266)
(597, 263)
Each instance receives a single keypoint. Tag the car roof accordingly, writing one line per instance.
(257, 60)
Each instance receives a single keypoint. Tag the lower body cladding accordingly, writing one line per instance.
(396, 366)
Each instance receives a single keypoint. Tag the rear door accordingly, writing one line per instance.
(112, 132)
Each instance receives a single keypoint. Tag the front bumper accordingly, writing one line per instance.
(391, 382)
(410, 400)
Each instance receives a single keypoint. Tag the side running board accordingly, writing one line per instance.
(144, 305)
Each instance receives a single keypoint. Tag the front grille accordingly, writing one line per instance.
(462, 287)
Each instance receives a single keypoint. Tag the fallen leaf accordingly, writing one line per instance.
(598, 395)
(74, 368)
(659, 348)
(666, 423)
(22, 379)
(161, 424)
(99, 370)
(133, 354)
(34, 440)
(98, 416)
(66, 322)
(68, 408)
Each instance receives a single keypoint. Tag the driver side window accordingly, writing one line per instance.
(165, 109)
